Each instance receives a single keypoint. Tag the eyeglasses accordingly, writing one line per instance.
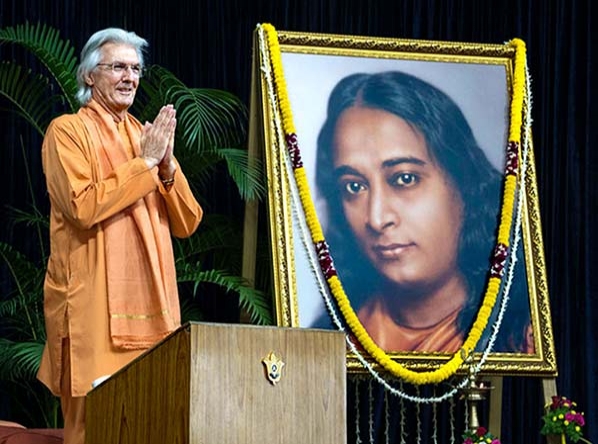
(119, 68)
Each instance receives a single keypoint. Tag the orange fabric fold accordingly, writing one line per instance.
(141, 278)
(390, 336)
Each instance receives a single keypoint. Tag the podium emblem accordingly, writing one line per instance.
(274, 367)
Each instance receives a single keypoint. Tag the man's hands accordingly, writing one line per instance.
(157, 142)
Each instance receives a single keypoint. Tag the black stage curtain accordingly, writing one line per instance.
(208, 43)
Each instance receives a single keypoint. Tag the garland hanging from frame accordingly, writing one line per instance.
(504, 256)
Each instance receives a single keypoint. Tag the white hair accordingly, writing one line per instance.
(91, 53)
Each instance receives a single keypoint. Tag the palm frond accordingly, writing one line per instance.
(23, 306)
(248, 176)
(19, 360)
(34, 217)
(209, 121)
(149, 97)
(32, 400)
(25, 273)
(57, 55)
(190, 311)
(29, 93)
(210, 238)
(207, 118)
(256, 303)
(218, 242)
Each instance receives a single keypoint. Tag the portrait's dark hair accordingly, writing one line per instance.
(451, 143)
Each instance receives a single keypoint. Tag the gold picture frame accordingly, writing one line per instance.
(479, 78)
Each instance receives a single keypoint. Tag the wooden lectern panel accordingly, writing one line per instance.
(145, 402)
(206, 383)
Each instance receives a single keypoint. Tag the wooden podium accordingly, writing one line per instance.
(207, 383)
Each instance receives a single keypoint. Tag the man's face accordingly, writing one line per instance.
(400, 205)
(115, 90)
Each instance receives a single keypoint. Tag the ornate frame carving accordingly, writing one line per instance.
(295, 282)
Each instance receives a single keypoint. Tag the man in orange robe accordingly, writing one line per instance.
(117, 194)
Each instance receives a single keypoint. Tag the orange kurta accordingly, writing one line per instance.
(390, 336)
(75, 293)
(444, 336)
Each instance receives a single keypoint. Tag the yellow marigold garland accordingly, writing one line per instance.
(449, 368)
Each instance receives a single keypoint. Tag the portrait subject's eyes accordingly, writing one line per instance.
(404, 180)
(352, 187)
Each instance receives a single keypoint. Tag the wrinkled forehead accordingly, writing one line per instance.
(119, 52)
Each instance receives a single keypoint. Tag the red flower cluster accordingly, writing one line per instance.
(479, 435)
(559, 402)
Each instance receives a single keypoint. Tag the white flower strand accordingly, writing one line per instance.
(435, 422)
(296, 205)
(386, 418)
(505, 291)
(324, 290)
(403, 412)
(305, 234)
(370, 412)
(357, 416)
(466, 417)
(309, 247)
(527, 120)
(513, 254)
(418, 420)
(452, 420)
(525, 146)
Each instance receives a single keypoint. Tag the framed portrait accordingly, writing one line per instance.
(402, 204)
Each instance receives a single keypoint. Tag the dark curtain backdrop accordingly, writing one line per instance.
(208, 43)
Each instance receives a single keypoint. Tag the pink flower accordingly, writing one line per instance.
(579, 419)
(481, 431)
(468, 441)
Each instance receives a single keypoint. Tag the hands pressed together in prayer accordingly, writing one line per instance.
(157, 143)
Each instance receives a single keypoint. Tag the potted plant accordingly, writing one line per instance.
(562, 421)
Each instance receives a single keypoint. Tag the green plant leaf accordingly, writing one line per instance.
(29, 93)
(21, 310)
(216, 233)
(211, 125)
(248, 176)
(19, 360)
(34, 217)
(206, 118)
(209, 118)
(56, 54)
(255, 302)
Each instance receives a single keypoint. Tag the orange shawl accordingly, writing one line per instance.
(141, 279)
(390, 336)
